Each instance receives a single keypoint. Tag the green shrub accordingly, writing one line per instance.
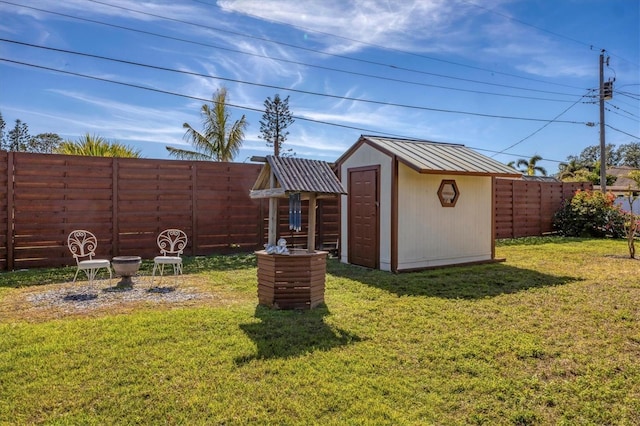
(590, 214)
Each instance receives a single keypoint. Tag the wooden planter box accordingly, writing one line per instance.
(293, 281)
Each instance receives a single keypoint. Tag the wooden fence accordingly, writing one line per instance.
(526, 208)
(127, 202)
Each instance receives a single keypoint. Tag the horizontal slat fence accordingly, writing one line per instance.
(7, 227)
(526, 208)
(126, 202)
(53, 195)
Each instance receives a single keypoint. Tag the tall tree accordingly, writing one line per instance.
(18, 137)
(45, 143)
(591, 154)
(3, 125)
(219, 140)
(530, 167)
(629, 154)
(96, 146)
(275, 120)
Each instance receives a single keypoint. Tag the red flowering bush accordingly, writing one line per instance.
(590, 214)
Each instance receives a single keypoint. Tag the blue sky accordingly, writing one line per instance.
(509, 78)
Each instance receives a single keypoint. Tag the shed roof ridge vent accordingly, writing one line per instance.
(410, 140)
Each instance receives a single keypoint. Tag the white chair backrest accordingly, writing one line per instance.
(172, 242)
(82, 244)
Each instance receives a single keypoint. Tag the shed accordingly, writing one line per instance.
(416, 204)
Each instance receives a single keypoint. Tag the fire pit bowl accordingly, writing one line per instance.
(126, 267)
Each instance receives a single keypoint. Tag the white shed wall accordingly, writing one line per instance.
(367, 156)
(432, 235)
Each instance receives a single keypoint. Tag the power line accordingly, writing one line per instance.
(545, 125)
(513, 155)
(157, 67)
(633, 96)
(306, 48)
(622, 131)
(476, 114)
(166, 92)
(93, 21)
(253, 109)
(623, 110)
(511, 18)
(419, 55)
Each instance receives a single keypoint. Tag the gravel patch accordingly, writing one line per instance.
(82, 297)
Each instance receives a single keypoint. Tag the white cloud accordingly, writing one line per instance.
(527, 50)
(121, 120)
(347, 26)
(119, 8)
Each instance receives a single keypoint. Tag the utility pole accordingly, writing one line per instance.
(603, 162)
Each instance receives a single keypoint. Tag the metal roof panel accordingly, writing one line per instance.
(426, 156)
(304, 175)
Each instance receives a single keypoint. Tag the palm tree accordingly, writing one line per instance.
(530, 166)
(96, 146)
(568, 170)
(219, 141)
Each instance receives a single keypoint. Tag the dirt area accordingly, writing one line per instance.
(51, 301)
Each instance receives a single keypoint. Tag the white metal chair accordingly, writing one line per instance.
(82, 245)
(172, 243)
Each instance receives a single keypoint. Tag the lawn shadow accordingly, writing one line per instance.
(291, 333)
(161, 290)
(536, 241)
(455, 282)
(80, 297)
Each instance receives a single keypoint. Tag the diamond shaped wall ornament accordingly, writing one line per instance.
(448, 193)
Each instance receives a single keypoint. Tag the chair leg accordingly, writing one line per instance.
(176, 269)
(76, 275)
(160, 269)
(91, 274)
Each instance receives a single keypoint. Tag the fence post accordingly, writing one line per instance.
(195, 245)
(10, 212)
(540, 197)
(513, 209)
(115, 227)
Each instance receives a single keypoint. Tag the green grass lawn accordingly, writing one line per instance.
(551, 336)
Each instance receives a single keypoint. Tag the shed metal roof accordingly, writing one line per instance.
(540, 178)
(298, 175)
(434, 157)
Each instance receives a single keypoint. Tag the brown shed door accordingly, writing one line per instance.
(363, 217)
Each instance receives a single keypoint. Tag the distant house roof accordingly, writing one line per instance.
(434, 157)
(540, 178)
(296, 175)
(622, 182)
